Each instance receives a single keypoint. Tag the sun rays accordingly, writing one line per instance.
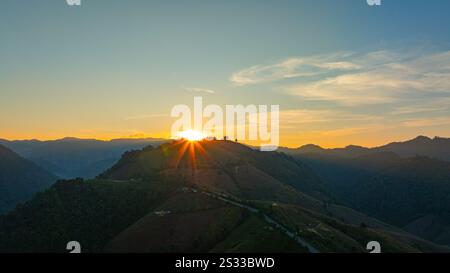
(191, 135)
(191, 146)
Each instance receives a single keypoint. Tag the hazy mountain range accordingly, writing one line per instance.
(20, 179)
(437, 147)
(74, 157)
(406, 184)
(221, 196)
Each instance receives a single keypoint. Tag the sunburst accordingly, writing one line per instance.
(191, 135)
(191, 143)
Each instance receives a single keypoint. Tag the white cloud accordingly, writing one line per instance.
(419, 109)
(349, 95)
(199, 90)
(308, 116)
(292, 68)
(379, 81)
(350, 79)
(360, 88)
(427, 122)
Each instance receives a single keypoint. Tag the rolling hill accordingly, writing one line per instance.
(438, 148)
(19, 179)
(211, 196)
(73, 157)
(406, 184)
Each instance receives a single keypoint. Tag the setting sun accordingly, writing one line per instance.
(191, 135)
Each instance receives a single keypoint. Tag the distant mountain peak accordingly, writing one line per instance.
(69, 138)
(19, 179)
(437, 147)
(75, 139)
(356, 147)
(311, 148)
(422, 138)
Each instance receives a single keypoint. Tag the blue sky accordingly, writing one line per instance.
(342, 71)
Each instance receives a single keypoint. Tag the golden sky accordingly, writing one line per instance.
(108, 71)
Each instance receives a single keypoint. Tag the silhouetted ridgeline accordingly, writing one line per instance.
(183, 197)
(20, 179)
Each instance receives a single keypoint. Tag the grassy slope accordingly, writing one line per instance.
(91, 212)
(121, 215)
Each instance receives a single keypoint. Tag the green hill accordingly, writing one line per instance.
(19, 179)
(410, 193)
(226, 198)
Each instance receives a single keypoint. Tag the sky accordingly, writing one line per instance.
(342, 72)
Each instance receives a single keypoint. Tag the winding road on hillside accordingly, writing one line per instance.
(268, 219)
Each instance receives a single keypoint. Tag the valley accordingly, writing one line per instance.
(206, 196)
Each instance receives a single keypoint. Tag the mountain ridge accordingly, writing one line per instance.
(437, 147)
(71, 157)
(20, 179)
(175, 198)
(406, 184)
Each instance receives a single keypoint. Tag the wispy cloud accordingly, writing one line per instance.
(343, 132)
(381, 81)
(292, 68)
(348, 95)
(409, 110)
(199, 90)
(349, 79)
(294, 118)
(427, 122)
